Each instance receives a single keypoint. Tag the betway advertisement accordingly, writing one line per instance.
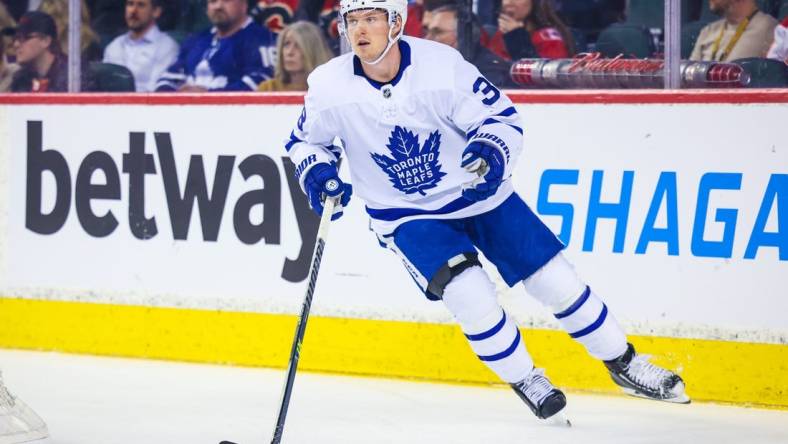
(676, 214)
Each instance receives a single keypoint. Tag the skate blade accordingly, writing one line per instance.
(559, 420)
(680, 398)
(33, 435)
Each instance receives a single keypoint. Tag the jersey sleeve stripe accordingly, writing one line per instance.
(507, 112)
(335, 150)
(493, 120)
(490, 121)
(293, 141)
(249, 82)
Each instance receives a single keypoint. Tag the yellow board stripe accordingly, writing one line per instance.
(720, 371)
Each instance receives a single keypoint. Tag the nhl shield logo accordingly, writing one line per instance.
(412, 168)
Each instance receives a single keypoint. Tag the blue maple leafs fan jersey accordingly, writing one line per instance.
(404, 140)
(235, 63)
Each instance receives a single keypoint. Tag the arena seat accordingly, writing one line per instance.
(622, 38)
(109, 77)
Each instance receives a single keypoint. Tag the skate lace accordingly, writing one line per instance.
(536, 387)
(647, 374)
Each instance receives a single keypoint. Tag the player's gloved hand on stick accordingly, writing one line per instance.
(487, 162)
(322, 181)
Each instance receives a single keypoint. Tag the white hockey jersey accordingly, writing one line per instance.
(404, 140)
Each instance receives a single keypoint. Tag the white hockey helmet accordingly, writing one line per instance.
(394, 8)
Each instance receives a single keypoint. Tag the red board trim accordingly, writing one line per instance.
(732, 96)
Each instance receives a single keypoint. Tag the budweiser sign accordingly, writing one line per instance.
(591, 70)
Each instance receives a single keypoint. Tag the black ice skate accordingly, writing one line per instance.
(541, 396)
(638, 377)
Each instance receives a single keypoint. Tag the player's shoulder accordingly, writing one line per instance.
(324, 79)
(428, 53)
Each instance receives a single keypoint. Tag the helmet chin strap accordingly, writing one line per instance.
(392, 41)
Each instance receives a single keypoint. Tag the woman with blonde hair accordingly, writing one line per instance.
(89, 40)
(300, 49)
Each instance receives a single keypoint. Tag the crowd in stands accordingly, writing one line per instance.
(273, 45)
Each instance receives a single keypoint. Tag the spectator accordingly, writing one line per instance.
(443, 28)
(18, 7)
(235, 55)
(779, 49)
(301, 49)
(89, 40)
(145, 50)
(744, 31)
(44, 67)
(415, 14)
(7, 25)
(426, 14)
(530, 28)
(7, 70)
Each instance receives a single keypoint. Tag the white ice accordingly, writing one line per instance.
(93, 400)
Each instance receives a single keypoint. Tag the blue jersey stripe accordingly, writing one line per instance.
(490, 332)
(392, 214)
(505, 353)
(576, 306)
(492, 120)
(590, 329)
(507, 112)
(293, 141)
(471, 133)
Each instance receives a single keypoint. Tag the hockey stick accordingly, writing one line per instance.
(295, 352)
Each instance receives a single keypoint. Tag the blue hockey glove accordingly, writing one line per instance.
(487, 162)
(322, 181)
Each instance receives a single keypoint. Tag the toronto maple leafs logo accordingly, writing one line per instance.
(413, 168)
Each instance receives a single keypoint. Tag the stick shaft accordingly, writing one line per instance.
(295, 352)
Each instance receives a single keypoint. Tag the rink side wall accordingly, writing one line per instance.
(169, 227)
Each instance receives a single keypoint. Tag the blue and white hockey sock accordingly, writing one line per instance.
(579, 311)
(492, 334)
(589, 322)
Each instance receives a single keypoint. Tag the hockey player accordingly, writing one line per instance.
(431, 145)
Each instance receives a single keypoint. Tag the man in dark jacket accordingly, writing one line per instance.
(442, 27)
(44, 68)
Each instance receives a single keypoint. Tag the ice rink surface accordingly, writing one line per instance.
(92, 400)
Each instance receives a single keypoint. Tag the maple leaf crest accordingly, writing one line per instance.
(412, 168)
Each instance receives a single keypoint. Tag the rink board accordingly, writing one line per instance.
(682, 229)
(719, 371)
